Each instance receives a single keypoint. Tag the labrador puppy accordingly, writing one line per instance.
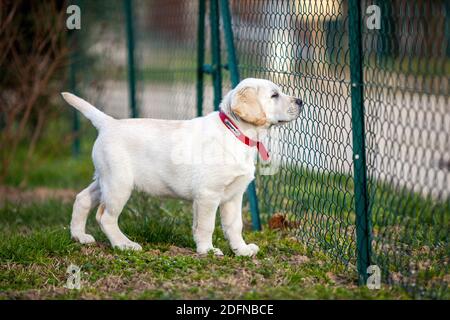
(209, 160)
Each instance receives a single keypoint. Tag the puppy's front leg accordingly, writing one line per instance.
(203, 225)
(231, 215)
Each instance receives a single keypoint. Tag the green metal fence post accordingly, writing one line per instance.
(235, 78)
(200, 55)
(359, 154)
(128, 4)
(73, 88)
(231, 52)
(447, 26)
(215, 48)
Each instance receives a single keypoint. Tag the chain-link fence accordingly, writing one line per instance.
(407, 115)
(365, 170)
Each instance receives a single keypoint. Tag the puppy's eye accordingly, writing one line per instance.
(275, 95)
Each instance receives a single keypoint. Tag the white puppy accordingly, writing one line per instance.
(206, 160)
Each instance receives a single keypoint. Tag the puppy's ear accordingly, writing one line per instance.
(245, 104)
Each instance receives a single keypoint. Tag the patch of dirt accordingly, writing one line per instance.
(110, 283)
(295, 259)
(12, 194)
(339, 280)
(154, 252)
(396, 277)
(175, 251)
(298, 259)
(98, 250)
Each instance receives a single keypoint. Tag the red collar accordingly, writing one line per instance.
(242, 137)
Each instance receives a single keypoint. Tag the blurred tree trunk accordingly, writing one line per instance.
(33, 51)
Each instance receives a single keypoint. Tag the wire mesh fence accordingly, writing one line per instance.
(305, 47)
(99, 55)
(167, 52)
(407, 116)
(365, 170)
(313, 189)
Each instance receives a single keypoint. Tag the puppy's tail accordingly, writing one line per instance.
(97, 117)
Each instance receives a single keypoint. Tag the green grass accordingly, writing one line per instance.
(36, 249)
(52, 164)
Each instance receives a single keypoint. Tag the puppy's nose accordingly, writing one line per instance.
(298, 102)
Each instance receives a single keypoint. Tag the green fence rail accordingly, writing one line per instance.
(365, 171)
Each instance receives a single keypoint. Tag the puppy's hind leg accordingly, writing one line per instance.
(84, 202)
(114, 199)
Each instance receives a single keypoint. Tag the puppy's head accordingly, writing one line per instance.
(261, 103)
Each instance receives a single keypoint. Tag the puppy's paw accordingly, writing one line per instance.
(129, 245)
(83, 238)
(248, 250)
(215, 251)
